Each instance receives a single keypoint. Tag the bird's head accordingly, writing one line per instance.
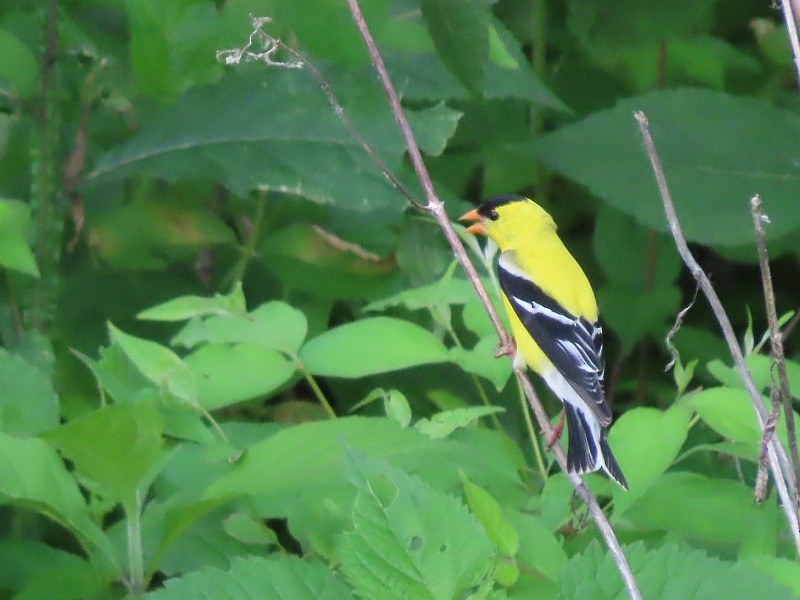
(509, 220)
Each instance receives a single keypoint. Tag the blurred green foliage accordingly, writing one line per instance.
(237, 363)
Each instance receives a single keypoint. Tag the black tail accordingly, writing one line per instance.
(583, 448)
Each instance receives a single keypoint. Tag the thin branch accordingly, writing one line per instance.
(777, 457)
(436, 207)
(776, 338)
(787, 6)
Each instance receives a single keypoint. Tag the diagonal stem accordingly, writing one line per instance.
(777, 457)
(436, 208)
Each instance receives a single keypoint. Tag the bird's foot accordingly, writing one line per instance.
(508, 348)
(556, 433)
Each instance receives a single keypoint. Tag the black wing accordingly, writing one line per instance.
(573, 344)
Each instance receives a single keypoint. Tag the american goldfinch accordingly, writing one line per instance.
(554, 321)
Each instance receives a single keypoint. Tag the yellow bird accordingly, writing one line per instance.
(554, 321)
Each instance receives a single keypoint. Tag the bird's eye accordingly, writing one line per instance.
(493, 215)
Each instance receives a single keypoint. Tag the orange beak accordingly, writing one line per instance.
(477, 227)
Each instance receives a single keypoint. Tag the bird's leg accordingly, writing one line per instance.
(509, 349)
(556, 433)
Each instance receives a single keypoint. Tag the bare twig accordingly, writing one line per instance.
(436, 208)
(776, 338)
(779, 464)
(788, 7)
(760, 488)
(787, 331)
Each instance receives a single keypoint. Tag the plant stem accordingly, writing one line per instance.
(776, 338)
(436, 208)
(312, 383)
(532, 432)
(133, 526)
(779, 464)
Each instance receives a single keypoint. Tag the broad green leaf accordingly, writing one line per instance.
(628, 23)
(444, 423)
(762, 368)
(15, 222)
(35, 570)
(33, 476)
(490, 515)
(28, 402)
(187, 307)
(370, 346)
(729, 412)
(231, 373)
(460, 32)
(116, 446)
(158, 364)
(248, 140)
(782, 570)
(669, 572)
(452, 290)
(717, 151)
(632, 256)
(18, 65)
(276, 577)
(273, 325)
(409, 540)
(689, 506)
(646, 442)
(298, 461)
(539, 548)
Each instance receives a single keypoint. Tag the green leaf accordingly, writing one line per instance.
(396, 407)
(783, 571)
(227, 374)
(690, 506)
(627, 23)
(18, 65)
(646, 442)
(247, 139)
(717, 151)
(444, 423)
(298, 461)
(452, 290)
(158, 364)
(668, 572)
(490, 515)
(539, 549)
(116, 446)
(28, 402)
(409, 540)
(186, 307)
(33, 476)
(729, 412)
(370, 346)
(249, 530)
(15, 223)
(460, 32)
(34, 570)
(632, 256)
(274, 325)
(276, 577)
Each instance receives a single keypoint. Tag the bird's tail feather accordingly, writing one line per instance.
(586, 454)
